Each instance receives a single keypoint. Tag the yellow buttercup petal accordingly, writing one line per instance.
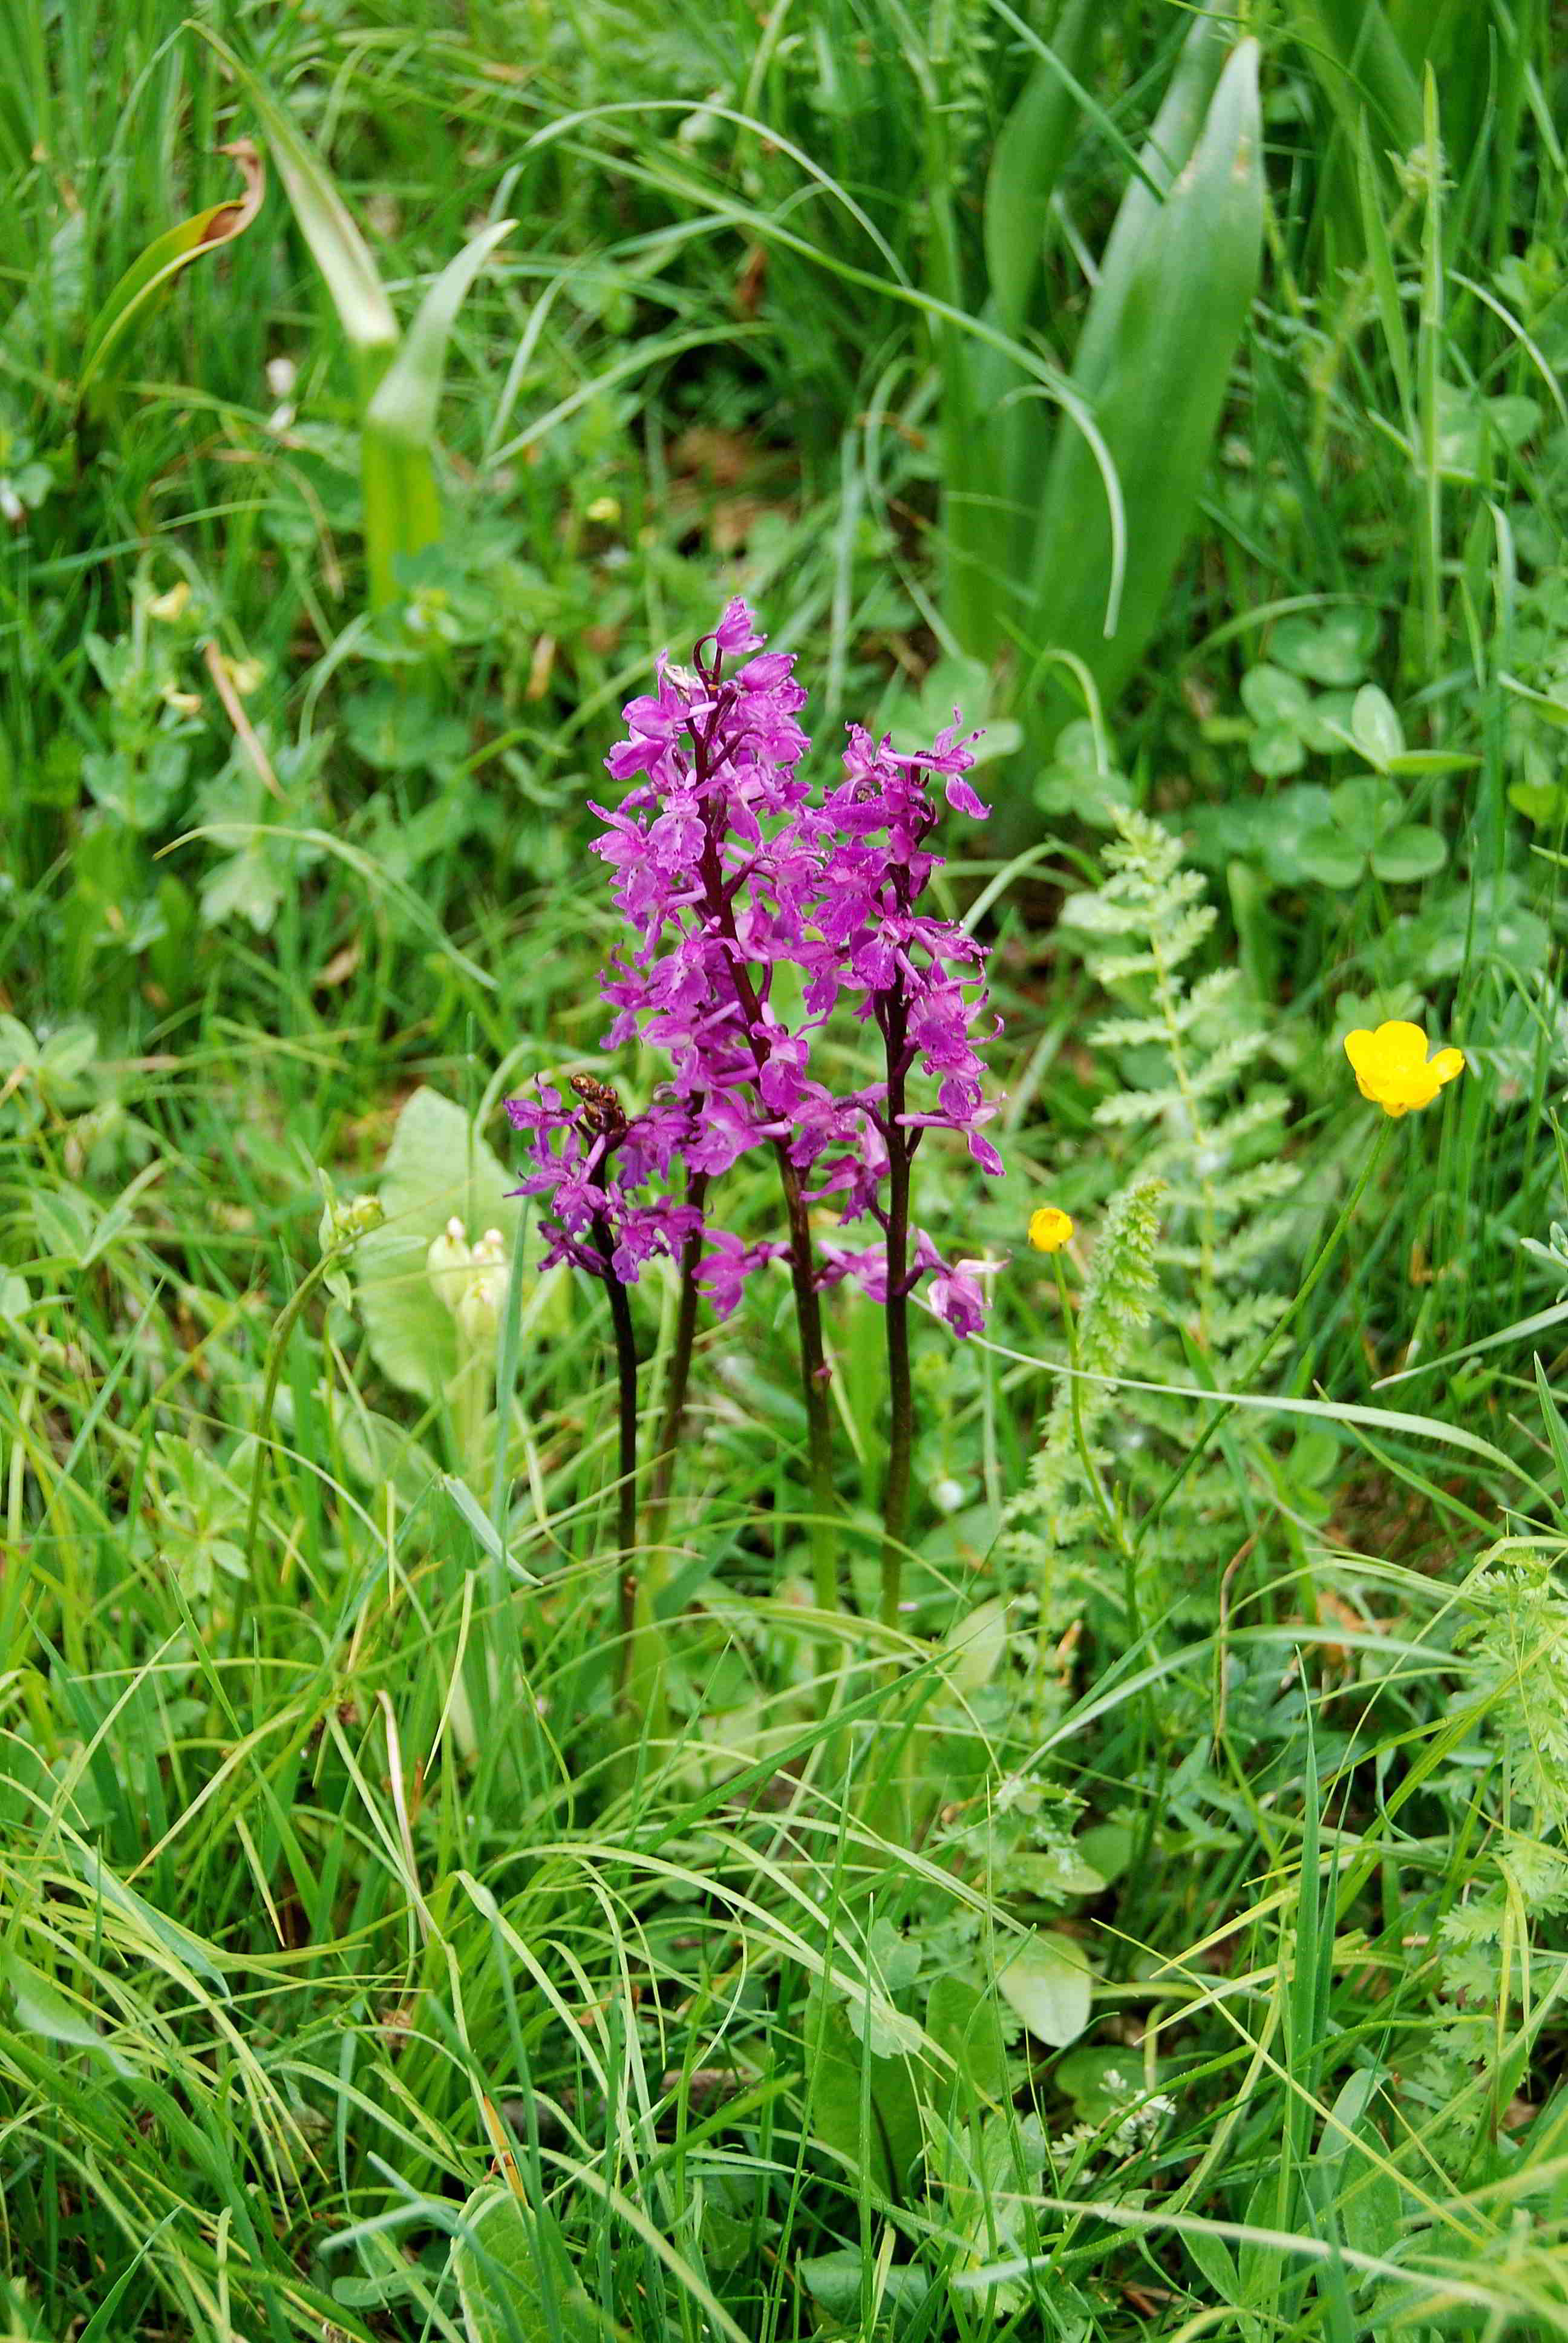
(1403, 1045)
(1446, 1064)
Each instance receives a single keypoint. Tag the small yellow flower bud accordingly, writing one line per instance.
(172, 605)
(1050, 1228)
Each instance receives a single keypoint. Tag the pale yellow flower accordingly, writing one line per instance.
(1391, 1066)
(1050, 1228)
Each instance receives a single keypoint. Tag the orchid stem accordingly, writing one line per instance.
(630, 1664)
(900, 1390)
(814, 1372)
(287, 1320)
(679, 1380)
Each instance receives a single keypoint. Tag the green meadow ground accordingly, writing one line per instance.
(1161, 1932)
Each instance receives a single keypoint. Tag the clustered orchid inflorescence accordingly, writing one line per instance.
(727, 873)
(755, 912)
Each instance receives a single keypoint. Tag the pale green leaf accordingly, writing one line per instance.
(437, 1169)
(1050, 1985)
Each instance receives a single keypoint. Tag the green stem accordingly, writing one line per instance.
(288, 1318)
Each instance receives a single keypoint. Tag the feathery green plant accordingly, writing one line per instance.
(1187, 1044)
(1064, 1499)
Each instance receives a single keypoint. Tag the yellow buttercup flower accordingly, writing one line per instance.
(1050, 1228)
(1393, 1070)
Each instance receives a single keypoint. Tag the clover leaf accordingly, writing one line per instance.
(1365, 829)
(1289, 721)
(1331, 649)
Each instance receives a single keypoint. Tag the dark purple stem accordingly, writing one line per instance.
(900, 1393)
(674, 1417)
(626, 1491)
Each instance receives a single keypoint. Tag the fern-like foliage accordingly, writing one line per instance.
(1064, 1499)
(1179, 1293)
(1188, 1051)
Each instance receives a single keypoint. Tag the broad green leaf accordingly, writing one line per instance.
(963, 2018)
(1326, 855)
(1270, 694)
(1167, 153)
(66, 1221)
(1331, 649)
(1048, 1983)
(1325, 727)
(402, 501)
(840, 2282)
(1375, 727)
(1410, 852)
(1364, 809)
(1026, 164)
(1212, 2257)
(437, 1169)
(517, 2281)
(1276, 751)
(974, 1645)
(154, 270)
(1153, 373)
(1109, 1847)
(884, 2151)
(41, 2010)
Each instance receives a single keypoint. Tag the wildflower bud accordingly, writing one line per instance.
(351, 1221)
(171, 606)
(184, 703)
(1050, 1228)
(479, 1310)
(606, 510)
(449, 1264)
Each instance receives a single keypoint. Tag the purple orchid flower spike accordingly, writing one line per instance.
(753, 915)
